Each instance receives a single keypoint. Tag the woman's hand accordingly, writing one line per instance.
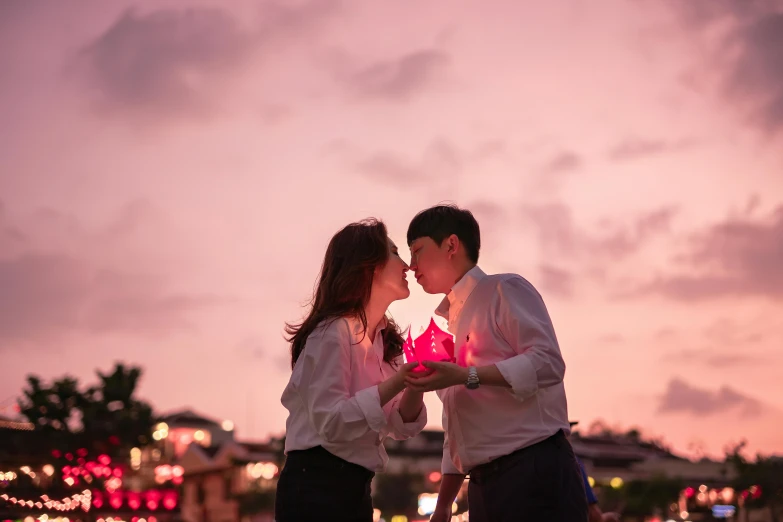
(392, 386)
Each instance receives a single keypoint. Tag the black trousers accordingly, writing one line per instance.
(317, 486)
(539, 483)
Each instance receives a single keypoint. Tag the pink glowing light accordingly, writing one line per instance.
(432, 345)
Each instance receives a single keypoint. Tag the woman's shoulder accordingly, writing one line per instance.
(333, 329)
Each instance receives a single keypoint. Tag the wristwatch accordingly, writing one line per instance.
(473, 380)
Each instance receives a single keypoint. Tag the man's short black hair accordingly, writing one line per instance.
(441, 221)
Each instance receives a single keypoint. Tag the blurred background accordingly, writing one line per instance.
(171, 172)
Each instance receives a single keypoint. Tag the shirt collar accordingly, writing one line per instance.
(461, 290)
(357, 331)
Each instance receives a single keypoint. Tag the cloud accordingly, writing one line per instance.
(254, 348)
(11, 237)
(54, 284)
(680, 397)
(636, 148)
(612, 338)
(559, 235)
(726, 344)
(709, 357)
(565, 161)
(440, 158)
(748, 56)
(398, 79)
(740, 256)
(49, 295)
(556, 280)
(166, 60)
(174, 62)
(756, 75)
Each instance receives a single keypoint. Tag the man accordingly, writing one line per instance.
(504, 403)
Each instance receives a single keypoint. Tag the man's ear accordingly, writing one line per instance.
(452, 244)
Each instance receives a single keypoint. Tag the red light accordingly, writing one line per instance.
(434, 476)
(115, 499)
(56, 454)
(104, 459)
(117, 472)
(97, 499)
(82, 452)
(170, 500)
(153, 498)
(689, 492)
(69, 456)
(134, 500)
(152, 519)
(66, 470)
(115, 440)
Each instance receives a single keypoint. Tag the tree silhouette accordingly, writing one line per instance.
(106, 418)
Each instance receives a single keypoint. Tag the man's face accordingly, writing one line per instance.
(431, 264)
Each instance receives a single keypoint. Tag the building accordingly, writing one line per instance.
(231, 481)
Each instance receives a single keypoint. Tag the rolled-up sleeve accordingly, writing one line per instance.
(524, 322)
(401, 430)
(324, 389)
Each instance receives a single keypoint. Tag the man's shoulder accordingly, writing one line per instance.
(500, 280)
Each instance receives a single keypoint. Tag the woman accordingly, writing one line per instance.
(344, 395)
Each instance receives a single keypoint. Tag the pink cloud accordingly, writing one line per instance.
(740, 256)
(556, 281)
(637, 148)
(177, 62)
(398, 79)
(681, 397)
(560, 235)
(51, 289)
(748, 56)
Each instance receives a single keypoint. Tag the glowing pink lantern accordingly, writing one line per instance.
(432, 345)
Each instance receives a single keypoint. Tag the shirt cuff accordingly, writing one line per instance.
(408, 429)
(520, 374)
(369, 401)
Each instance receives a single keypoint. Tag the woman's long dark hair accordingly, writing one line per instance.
(345, 284)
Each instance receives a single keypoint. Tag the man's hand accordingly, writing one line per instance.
(445, 374)
(441, 515)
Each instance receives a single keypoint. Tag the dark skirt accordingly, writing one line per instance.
(316, 485)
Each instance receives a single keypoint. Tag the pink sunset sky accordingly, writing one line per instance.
(171, 172)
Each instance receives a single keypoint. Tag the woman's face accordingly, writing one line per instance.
(391, 280)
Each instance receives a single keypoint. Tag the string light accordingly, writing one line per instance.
(71, 503)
